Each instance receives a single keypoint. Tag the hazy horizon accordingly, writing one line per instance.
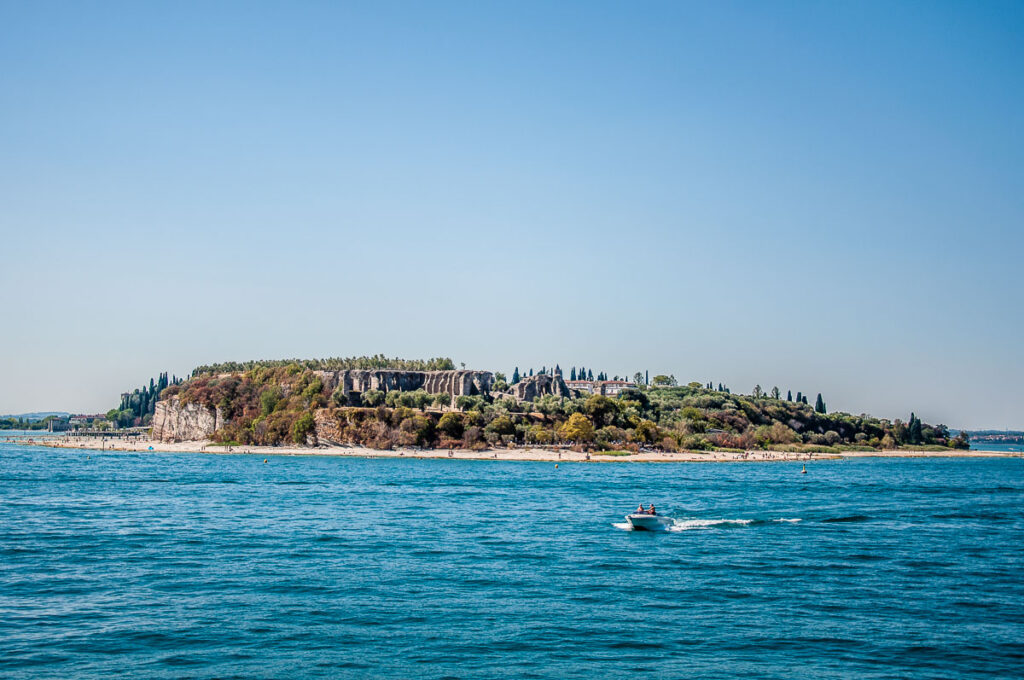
(818, 196)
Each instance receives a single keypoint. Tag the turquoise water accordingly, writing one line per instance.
(200, 566)
(997, 446)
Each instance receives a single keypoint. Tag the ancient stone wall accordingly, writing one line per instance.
(455, 383)
(529, 389)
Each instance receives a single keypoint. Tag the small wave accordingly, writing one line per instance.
(851, 518)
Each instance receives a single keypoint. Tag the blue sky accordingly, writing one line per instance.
(820, 196)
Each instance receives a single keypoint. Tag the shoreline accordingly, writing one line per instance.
(145, 445)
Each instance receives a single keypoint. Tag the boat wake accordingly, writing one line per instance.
(694, 523)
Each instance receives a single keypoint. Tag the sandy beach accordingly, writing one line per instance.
(138, 444)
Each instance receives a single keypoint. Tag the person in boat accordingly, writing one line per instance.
(651, 510)
(640, 510)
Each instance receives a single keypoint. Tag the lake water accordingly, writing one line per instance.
(180, 566)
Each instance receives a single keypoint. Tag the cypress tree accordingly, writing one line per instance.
(789, 395)
(819, 404)
(572, 373)
(914, 430)
(590, 375)
(515, 376)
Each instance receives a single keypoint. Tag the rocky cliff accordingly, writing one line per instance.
(177, 421)
(174, 421)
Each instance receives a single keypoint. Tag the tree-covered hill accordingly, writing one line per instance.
(274, 402)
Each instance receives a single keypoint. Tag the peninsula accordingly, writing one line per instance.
(377, 404)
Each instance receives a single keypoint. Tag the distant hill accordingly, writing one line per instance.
(37, 415)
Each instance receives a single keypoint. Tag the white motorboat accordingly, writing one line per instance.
(642, 521)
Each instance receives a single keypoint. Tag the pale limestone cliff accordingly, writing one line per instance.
(174, 421)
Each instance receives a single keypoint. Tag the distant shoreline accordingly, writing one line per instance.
(516, 454)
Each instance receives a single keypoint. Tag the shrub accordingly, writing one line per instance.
(610, 437)
(646, 432)
(538, 434)
(472, 437)
(500, 426)
(269, 399)
(695, 442)
(302, 427)
(451, 425)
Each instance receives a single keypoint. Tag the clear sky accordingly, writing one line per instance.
(822, 196)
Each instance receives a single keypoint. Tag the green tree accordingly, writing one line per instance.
(515, 376)
(372, 398)
(789, 395)
(914, 430)
(646, 432)
(269, 399)
(776, 394)
(502, 425)
(601, 409)
(577, 429)
(303, 427)
(758, 392)
(819, 404)
(451, 425)
(638, 378)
